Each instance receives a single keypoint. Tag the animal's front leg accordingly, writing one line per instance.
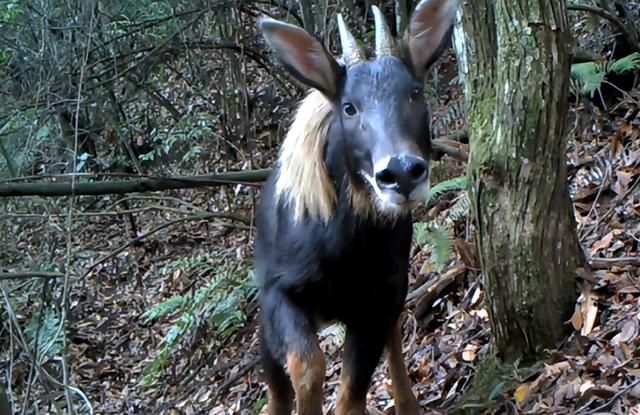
(289, 337)
(362, 351)
(405, 401)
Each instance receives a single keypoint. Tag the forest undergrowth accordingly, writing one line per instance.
(160, 296)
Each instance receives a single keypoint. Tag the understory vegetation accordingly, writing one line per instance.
(142, 301)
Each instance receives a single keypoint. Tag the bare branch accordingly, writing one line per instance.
(23, 275)
(612, 18)
(144, 185)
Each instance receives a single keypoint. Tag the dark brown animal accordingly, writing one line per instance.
(334, 221)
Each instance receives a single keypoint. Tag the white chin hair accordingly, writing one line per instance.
(385, 204)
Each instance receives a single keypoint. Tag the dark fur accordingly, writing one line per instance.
(353, 266)
(352, 269)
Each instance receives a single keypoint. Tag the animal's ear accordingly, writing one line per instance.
(303, 55)
(430, 25)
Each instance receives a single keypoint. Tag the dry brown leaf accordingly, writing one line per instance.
(482, 313)
(601, 244)
(557, 368)
(426, 268)
(576, 319)
(586, 385)
(588, 308)
(476, 297)
(629, 332)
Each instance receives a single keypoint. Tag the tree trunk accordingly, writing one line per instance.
(517, 60)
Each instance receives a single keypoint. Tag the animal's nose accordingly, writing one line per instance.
(402, 174)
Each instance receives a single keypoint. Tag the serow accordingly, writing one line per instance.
(334, 221)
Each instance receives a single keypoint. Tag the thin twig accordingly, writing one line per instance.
(24, 344)
(202, 216)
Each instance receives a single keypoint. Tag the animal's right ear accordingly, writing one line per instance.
(303, 55)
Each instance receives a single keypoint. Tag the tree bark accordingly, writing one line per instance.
(517, 61)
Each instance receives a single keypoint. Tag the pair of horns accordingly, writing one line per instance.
(385, 44)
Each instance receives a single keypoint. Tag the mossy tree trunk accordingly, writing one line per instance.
(516, 68)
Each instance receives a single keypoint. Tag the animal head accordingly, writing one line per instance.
(378, 104)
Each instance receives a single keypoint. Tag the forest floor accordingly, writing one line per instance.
(213, 369)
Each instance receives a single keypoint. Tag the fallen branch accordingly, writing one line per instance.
(451, 146)
(131, 186)
(23, 275)
(431, 288)
(606, 263)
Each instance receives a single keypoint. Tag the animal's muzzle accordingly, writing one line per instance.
(402, 175)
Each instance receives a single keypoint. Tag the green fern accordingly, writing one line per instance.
(628, 63)
(440, 240)
(43, 331)
(452, 113)
(460, 208)
(218, 304)
(458, 183)
(587, 77)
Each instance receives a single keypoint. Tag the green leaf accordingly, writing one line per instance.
(438, 238)
(628, 63)
(218, 305)
(587, 77)
(458, 183)
(42, 133)
(46, 333)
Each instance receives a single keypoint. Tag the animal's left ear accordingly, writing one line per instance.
(303, 55)
(430, 23)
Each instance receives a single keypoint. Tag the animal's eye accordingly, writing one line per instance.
(349, 109)
(416, 94)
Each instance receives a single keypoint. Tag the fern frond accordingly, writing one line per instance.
(628, 63)
(43, 331)
(458, 183)
(452, 113)
(460, 208)
(439, 238)
(163, 309)
(218, 304)
(587, 77)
